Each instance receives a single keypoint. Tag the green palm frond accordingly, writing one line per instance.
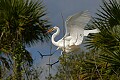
(108, 18)
(24, 19)
(107, 42)
(109, 15)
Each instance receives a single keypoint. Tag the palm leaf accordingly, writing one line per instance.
(107, 42)
(25, 18)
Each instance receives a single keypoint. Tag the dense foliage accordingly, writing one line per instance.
(22, 23)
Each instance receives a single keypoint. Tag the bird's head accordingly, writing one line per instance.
(52, 29)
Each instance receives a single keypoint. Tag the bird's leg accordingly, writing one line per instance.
(61, 52)
(72, 42)
(77, 38)
(58, 48)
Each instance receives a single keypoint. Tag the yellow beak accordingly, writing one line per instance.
(50, 30)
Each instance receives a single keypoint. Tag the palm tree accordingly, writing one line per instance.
(107, 42)
(22, 23)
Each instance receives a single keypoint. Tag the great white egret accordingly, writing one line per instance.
(75, 32)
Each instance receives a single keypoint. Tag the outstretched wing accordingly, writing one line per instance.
(75, 26)
(86, 32)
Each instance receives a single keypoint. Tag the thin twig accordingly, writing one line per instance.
(97, 68)
(64, 43)
(63, 31)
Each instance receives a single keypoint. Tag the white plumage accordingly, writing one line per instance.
(75, 32)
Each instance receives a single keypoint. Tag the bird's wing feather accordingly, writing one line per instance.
(75, 26)
(86, 32)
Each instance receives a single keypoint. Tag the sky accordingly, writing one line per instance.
(54, 9)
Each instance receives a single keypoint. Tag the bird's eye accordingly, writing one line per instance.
(52, 29)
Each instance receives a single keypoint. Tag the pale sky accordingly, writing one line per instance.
(54, 10)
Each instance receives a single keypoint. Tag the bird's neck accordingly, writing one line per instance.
(54, 35)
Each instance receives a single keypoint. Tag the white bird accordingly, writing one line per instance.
(75, 32)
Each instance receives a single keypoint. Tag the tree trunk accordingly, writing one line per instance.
(17, 69)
